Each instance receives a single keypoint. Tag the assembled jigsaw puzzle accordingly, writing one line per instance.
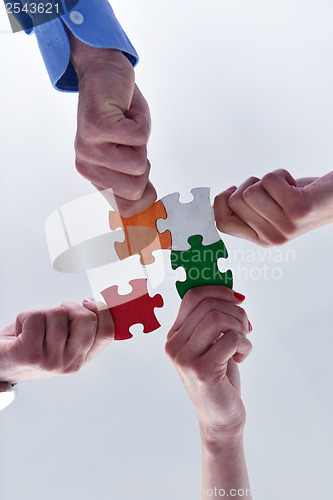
(186, 230)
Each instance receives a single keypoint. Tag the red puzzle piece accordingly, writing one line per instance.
(135, 307)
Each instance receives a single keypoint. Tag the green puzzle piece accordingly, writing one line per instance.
(200, 264)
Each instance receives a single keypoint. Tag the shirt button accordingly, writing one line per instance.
(76, 17)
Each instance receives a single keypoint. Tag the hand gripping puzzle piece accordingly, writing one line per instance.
(187, 219)
(130, 309)
(141, 235)
(200, 264)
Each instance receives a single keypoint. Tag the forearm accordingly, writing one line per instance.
(84, 56)
(224, 468)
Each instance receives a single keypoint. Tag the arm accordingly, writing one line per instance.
(206, 362)
(87, 50)
(51, 342)
(275, 209)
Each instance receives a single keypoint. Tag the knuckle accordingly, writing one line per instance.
(214, 317)
(209, 304)
(278, 239)
(250, 193)
(143, 132)
(139, 167)
(169, 349)
(234, 337)
(288, 229)
(81, 168)
(74, 367)
(137, 189)
(89, 319)
(224, 224)
(243, 314)
(127, 210)
(269, 178)
(192, 294)
(234, 199)
(59, 314)
(36, 316)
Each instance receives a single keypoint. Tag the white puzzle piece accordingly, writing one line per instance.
(187, 219)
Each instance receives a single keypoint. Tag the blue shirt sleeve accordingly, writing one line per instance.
(91, 21)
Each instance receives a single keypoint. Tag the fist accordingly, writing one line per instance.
(207, 340)
(113, 128)
(53, 342)
(275, 209)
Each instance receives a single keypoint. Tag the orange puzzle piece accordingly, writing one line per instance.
(141, 235)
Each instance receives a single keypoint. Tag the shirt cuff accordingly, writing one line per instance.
(91, 21)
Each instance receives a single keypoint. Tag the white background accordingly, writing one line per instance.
(236, 88)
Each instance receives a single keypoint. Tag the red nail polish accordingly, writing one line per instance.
(239, 296)
(250, 327)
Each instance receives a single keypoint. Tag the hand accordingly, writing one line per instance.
(113, 128)
(51, 342)
(275, 209)
(206, 359)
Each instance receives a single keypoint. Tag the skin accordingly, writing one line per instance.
(51, 342)
(275, 209)
(113, 128)
(206, 362)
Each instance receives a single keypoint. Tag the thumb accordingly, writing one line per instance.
(321, 190)
(105, 328)
(227, 221)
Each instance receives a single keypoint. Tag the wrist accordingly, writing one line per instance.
(84, 56)
(217, 438)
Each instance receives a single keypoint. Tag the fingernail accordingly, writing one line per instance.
(231, 188)
(250, 327)
(239, 296)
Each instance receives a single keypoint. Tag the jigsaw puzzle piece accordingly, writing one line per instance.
(200, 264)
(141, 235)
(132, 308)
(187, 219)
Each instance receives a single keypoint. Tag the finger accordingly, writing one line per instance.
(266, 233)
(130, 187)
(305, 181)
(82, 332)
(230, 345)
(228, 222)
(140, 104)
(263, 204)
(105, 328)
(56, 333)
(280, 185)
(209, 330)
(129, 129)
(237, 315)
(31, 326)
(129, 208)
(125, 159)
(197, 295)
